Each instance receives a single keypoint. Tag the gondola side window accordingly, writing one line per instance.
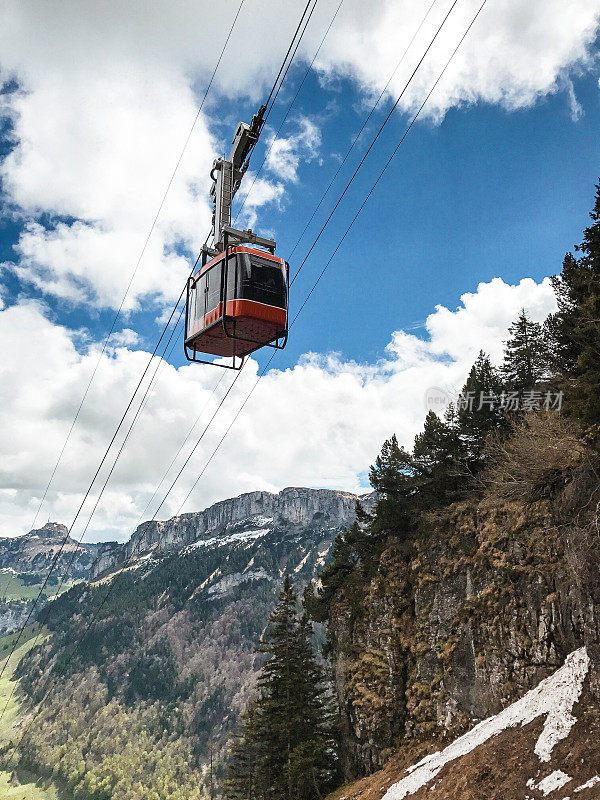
(199, 298)
(192, 316)
(213, 295)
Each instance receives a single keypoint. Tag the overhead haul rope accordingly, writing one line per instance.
(129, 284)
(140, 257)
(363, 126)
(289, 108)
(58, 553)
(380, 175)
(350, 181)
(274, 91)
(334, 177)
(331, 215)
(339, 244)
(372, 145)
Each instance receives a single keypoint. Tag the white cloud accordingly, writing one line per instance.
(108, 92)
(255, 193)
(286, 153)
(515, 54)
(320, 423)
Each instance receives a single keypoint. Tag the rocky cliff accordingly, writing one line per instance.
(34, 552)
(298, 508)
(488, 600)
(548, 738)
(180, 609)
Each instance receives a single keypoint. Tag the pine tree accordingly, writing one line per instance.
(242, 773)
(525, 355)
(391, 476)
(479, 411)
(576, 324)
(285, 750)
(438, 462)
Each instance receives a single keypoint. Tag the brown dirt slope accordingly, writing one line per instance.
(501, 768)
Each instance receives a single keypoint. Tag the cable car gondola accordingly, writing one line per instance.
(236, 303)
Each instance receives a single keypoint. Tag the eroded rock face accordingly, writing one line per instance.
(489, 602)
(34, 552)
(322, 508)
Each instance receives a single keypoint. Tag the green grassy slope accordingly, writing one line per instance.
(13, 587)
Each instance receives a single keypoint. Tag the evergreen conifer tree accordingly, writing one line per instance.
(479, 411)
(525, 355)
(437, 459)
(391, 476)
(576, 324)
(285, 750)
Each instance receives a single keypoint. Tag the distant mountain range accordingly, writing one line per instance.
(34, 552)
(249, 516)
(181, 607)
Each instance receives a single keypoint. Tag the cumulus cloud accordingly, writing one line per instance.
(516, 52)
(320, 423)
(286, 153)
(107, 93)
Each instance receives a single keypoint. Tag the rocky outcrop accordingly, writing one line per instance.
(548, 738)
(488, 601)
(323, 509)
(34, 552)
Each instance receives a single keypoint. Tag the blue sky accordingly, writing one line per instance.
(488, 192)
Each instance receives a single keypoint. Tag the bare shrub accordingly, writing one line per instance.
(542, 454)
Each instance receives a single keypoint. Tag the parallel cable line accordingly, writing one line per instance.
(331, 214)
(377, 135)
(130, 403)
(131, 279)
(79, 541)
(181, 446)
(341, 241)
(363, 126)
(289, 108)
(142, 253)
(355, 217)
(284, 62)
(292, 57)
(58, 553)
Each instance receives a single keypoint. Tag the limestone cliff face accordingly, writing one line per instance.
(34, 552)
(488, 601)
(324, 509)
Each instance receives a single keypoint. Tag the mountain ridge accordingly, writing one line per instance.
(33, 552)
(295, 506)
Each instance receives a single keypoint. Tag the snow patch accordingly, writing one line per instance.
(554, 697)
(556, 780)
(322, 554)
(230, 582)
(588, 784)
(262, 521)
(241, 536)
(303, 562)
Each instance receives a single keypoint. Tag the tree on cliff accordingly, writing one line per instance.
(525, 355)
(285, 750)
(479, 411)
(576, 324)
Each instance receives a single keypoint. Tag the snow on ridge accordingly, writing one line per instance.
(554, 697)
(241, 536)
(262, 521)
(303, 562)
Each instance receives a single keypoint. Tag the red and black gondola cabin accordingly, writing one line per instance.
(236, 303)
